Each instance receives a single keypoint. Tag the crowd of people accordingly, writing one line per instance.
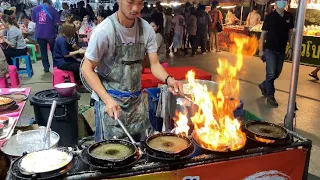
(44, 26)
(179, 31)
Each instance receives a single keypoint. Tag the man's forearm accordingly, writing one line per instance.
(159, 72)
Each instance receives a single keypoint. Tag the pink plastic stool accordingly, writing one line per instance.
(62, 76)
(165, 65)
(14, 77)
(4, 82)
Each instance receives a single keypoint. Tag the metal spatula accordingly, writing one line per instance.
(125, 130)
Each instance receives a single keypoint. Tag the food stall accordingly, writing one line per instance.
(239, 28)
(208, 141)
(310, 52)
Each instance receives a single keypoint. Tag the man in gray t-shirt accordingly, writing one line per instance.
(116, 50)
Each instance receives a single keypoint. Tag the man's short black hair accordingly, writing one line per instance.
(255, 8)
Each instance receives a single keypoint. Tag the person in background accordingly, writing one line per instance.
(90, 13)
(73, 43)
(277, 30)
(108, 12)
(101, 11)
(158, 17)
(63, 58)
(66, 12)
(4, 70)
(178, 26)
(254, 17)
(168, 32)
(20, 11)
(216, 17)
(81, 11)
(145, 12)
(115, 7)
(16, 45)
(160, 42)
(10, 13)
(192, 31)
(203, 24)
(5, 4)
(47, 19)
(314, 73)
(230, 18)
(29, 29)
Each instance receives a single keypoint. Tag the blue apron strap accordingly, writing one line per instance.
(120, 94)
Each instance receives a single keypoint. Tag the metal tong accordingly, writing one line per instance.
(125, 130)
(187, 98)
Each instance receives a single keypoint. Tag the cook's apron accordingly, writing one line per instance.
(123, 83)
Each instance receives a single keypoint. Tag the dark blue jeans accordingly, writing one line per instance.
(43, 43)
(274, 64)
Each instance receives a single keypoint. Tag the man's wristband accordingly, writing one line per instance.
(166, 81)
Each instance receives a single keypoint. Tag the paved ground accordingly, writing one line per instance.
(253, 73)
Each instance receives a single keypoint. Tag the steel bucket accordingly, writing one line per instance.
(28, 141)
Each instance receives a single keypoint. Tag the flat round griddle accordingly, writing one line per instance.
(168, 145)
(227, 151)
(45, 161)
(112, 151)
(106, 165)
(266, 130)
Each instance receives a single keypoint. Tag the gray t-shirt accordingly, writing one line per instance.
(14, 35)
(101, 47)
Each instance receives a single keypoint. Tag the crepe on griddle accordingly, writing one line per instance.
(112, 151)
(168, 144)
(45, 161)
(267, 131)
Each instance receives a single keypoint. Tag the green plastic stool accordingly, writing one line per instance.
(32, 53)
(38, 54)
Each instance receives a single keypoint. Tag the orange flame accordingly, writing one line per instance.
(215, 127)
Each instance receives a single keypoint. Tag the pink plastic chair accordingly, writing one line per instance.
(14, 77)
(11, 79)
(62, 76)
(4, 82)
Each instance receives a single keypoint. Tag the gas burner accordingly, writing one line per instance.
(85, 158)
(16, 174)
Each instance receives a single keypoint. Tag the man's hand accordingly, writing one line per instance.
(174, 86)
(112, 108)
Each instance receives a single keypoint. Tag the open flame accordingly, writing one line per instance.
(215, 126)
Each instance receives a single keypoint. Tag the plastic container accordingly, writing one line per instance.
(153, 99)
(65, 118)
